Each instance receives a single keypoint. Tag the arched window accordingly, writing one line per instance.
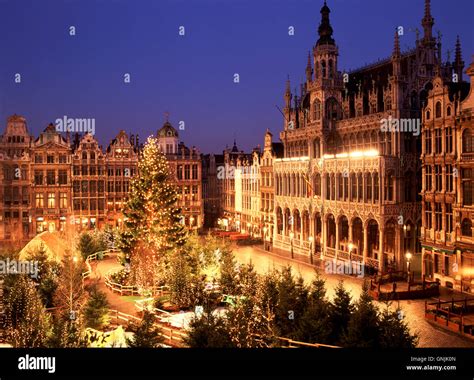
(323, 68)
(428, 114)
(332, 109)
(316, 110)
(330, 69)
(84, 155)
(448, 111)
(438, 110)
(92, 156)
(467, 141)
(317, 184)
(466, 227)
(316, 148)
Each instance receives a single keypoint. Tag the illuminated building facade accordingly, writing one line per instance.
(448, 180)
(350, 181)
(52, 183)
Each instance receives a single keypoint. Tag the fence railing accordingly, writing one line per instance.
(172, 336)
(119, 288)
(94, 257)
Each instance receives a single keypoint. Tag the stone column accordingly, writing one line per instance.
(366, 243)
(381, 250)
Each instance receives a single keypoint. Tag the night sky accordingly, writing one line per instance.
(190, 77)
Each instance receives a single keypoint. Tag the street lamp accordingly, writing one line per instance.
(292, 235)
(408, 256)
(311, 249)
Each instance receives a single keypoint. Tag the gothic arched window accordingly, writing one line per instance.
(332, 109)
(317, 110)
(438, 110)
(323, 68)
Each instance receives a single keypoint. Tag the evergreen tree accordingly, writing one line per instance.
(394, 331)
(228, 273)
(27, 322)
(151, 215)
(96, 311)
(147, 334)
(179, 280)
(86, 245)
(208, 331)
(363, 330)
(340, 313)
(250, 326)
(247, 280)
(292, 302)
(314, 325)
(47, 276)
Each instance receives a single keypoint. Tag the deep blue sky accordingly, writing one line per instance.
(191, 77)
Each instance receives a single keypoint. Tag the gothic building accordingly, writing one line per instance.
(350, 181)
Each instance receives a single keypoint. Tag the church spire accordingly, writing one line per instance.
(396, 45)
(325, 29)
(427, 22)
(309, 70)
(288, 93)
(458, 62)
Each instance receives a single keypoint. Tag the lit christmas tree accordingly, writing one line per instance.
(152, 219)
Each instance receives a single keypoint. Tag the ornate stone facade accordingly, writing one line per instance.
(52, 183)
(349, 184)
(448, 181)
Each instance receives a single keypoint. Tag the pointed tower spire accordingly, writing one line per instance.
(325, 29)
(427, 21)
(309, 70)
(458, 62)
(396, 45)
(288, 93)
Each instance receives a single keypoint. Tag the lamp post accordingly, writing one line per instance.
(73, 262)
(265, 238)
(311, 249)
(408, 256)
(292, 235)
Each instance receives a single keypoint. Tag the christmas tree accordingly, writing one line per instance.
(151, 216)
(27, 323)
